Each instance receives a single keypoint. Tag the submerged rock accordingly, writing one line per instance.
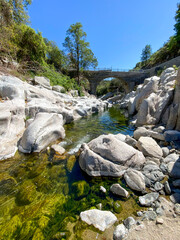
(118, 190)
(99, 219)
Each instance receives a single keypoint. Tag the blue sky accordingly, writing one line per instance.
(117, 30)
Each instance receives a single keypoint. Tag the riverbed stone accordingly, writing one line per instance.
(120, 232)
(99, 219)
(130, 141)
(173, 169)
(167, 188)
(135, 180)
(173, 157)
(129, 222)
(176, 183)
(158, 186)
(175, 198)
(58, 149)
(177, 208)
(149, 147)
(165, 151)
(118, 190)
(172, 135)
(148, 199)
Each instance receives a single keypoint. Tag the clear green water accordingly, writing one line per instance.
(42, 195)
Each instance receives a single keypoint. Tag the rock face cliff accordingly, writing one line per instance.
(32, 116)
(157, 101)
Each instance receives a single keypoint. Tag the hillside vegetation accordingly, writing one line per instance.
(36, 55)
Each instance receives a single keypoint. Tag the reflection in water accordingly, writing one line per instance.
(86, 129)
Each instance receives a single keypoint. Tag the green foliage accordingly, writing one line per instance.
(177, 25)
(31, 44)
(57, 78)
(103, 88)
(146, 53)
(80, 55)
(13, 11)
(54, 55)
(109, 86)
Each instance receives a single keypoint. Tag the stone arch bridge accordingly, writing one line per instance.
(128, 78)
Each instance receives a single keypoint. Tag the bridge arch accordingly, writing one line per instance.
(128, 79)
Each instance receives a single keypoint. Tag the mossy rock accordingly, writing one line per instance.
(117, 207)
(80, 189)
(26, 194)
(10, 229)
(38, 235)
(7, 184)
(70, 163)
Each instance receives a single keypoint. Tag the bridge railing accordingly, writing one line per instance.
(110, 70)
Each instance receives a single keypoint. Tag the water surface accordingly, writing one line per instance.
(42, 195)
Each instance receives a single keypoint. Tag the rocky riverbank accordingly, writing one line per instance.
(33, 115)
(149, 162)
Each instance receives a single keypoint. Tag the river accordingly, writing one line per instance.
(42, 195)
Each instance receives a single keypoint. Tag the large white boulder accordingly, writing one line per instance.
(46, 128)
(99, 219)
(94, 165)
(149, 147)
(116, 151)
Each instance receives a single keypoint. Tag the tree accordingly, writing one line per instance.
(13, 10)
(177, 25)
(54, 55)
(79, 54)
(146, 53)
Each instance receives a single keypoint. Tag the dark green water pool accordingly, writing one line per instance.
(42, 195)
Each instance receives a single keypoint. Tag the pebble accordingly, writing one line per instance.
(159, 220)
(102, 189)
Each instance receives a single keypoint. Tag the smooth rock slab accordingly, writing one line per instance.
(118, 190)
(148, 199)
(46, 128)
(149, 147)
(120, 232)
(99, 219)
(135, 180)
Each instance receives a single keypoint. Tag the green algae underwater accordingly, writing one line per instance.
(42, 195)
